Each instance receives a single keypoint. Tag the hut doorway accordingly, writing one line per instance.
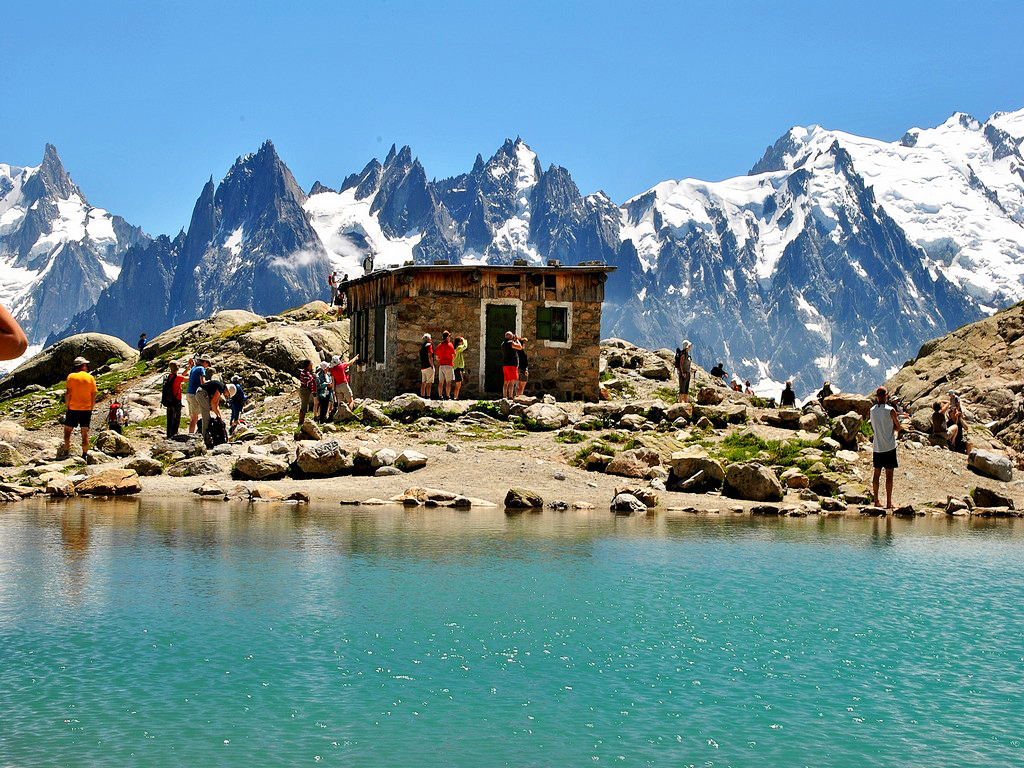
(500, 318)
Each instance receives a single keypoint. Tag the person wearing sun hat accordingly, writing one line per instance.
(80, 398)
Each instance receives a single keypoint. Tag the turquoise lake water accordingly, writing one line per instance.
(171, 633)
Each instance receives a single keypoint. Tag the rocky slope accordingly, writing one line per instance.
(57, 251)
(984, 364)
(637, 449)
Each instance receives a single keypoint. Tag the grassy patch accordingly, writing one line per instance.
(740, 447)
(583, 454)
(239, 330)
(760, 402)
(490, 407)
(108, 383)
(503, 447)
(606, 375)
(435, 442)
(570, 436)
(156, 421)
(667, 394)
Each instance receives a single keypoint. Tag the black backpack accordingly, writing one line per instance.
(217, 434)
(679, 354)
(167, 394)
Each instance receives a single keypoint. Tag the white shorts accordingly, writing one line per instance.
(446, 373)
(427, 375)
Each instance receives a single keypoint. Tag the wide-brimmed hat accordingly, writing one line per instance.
(231, 389)
(687, 344)
(80, 361)
(324, 365)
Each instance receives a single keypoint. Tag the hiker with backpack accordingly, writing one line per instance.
(324, 391)
(307, 388)
(683, 367)
(236, 398)
(116, 417)
(170, 398)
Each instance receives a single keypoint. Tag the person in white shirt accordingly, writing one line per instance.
(885, 424)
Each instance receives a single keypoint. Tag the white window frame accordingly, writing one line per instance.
(567, 344)
(484, 303)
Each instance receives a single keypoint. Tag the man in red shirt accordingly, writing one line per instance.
(445, 354)
(342, 389)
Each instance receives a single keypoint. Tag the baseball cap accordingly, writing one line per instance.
(80, 361)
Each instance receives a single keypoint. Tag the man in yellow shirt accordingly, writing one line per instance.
(80, 397)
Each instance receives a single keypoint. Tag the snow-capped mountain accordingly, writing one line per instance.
(57, 252)
(249, 246)
(835, 257)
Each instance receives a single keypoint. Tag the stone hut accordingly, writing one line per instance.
(558, 309)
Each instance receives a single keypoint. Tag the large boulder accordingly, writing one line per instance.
(991, 464)
(194, 467)
(987, 497)
(54, 363)
(322, 459)
(196, 334)
(521, 498)
(409, 460)
(252, 466)
(110, 482)
(627, 464)
(628, 504)
(844, 402)
(545, 416)
(786, 418)
(190, 445)
(845, 429)
(721, 415)
(694, 471)
(280, 348)
(752, 481)
(145, 466)
(113, 444)
(407, 404)
(10, 456)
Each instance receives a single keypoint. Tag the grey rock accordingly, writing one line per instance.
(752, 482)
(145, 467)
(385, 457)
(991, 464)
(409, 460)
(386, 471)
(988, 497)
(628, 504)
(200, 465)
(252, 467)
(114, 444)
(521, 498)
(322, 459)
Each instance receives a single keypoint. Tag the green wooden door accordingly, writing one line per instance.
(500, 318)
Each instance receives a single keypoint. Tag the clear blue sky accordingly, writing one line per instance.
(145, 100)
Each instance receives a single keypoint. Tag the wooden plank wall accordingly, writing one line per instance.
(390, 288)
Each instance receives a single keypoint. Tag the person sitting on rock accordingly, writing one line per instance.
(718, 372)
(747, 389)
(956, 427)
(825, 391)
(938, 420)
(788, 397)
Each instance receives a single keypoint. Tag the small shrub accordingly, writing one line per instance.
(570, 436)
